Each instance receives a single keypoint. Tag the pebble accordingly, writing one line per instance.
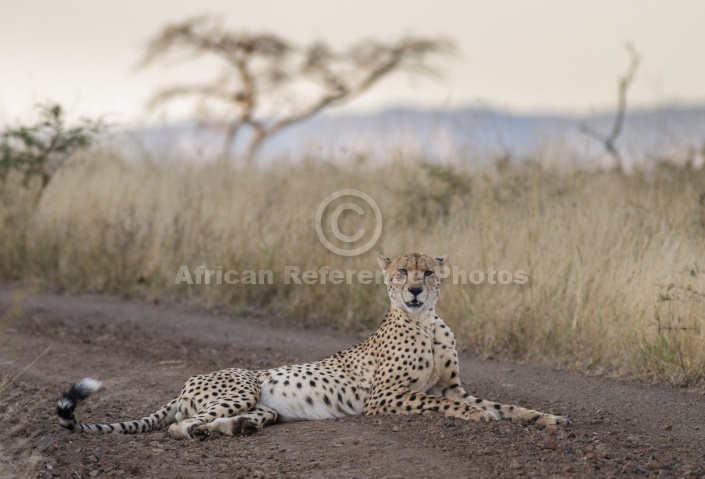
(550, 444)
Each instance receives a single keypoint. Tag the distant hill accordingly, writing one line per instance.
(468, 135)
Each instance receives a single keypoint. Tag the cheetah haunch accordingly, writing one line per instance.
(409, 366)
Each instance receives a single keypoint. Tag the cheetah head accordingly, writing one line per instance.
(413, 280)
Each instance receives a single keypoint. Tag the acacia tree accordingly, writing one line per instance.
(269, 83)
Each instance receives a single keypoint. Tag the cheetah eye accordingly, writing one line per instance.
(428, 273)
(402, 272)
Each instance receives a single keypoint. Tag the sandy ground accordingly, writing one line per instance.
(144, 352)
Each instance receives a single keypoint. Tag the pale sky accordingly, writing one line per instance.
(521, 55)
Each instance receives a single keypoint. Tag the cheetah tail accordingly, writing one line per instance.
(80, 390)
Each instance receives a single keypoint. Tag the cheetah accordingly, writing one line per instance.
(408, 366)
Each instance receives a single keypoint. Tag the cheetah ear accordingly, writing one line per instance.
(383, 262)
(441, 260)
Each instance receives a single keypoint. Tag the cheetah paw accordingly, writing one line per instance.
(483, 416)
(181, 430)
(245, 427)
(550, 419)
(200, 432)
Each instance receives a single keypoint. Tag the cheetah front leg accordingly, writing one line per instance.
(404, 401)
(453, 390)
(510, 412)
(448, 385)
(242, 424)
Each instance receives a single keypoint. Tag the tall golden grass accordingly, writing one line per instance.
(616, 264)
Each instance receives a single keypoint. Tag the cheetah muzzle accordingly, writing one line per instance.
(408, 366)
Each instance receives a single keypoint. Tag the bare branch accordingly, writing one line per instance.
(206, 35)
(170, 93)
(625, 81)
(371, 61)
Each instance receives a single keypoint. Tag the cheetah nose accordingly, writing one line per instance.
(415, 290)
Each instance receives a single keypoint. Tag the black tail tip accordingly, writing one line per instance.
(78, 391)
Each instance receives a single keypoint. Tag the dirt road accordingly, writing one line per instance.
(144, 352)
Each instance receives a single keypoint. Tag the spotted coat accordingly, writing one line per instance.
(408, 366)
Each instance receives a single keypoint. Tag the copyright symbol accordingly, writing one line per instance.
(348, 211)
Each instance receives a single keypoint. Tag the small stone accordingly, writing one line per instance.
(550, 444)
(669, 427)
(589, 455)
(653, 464)
(514, 464)
(93, 473)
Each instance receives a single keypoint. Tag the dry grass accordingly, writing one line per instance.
(616, 264)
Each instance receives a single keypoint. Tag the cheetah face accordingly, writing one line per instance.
(413, 280)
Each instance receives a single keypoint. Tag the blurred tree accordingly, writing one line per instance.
(273, 83)
(41, 149)
(609, 141)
